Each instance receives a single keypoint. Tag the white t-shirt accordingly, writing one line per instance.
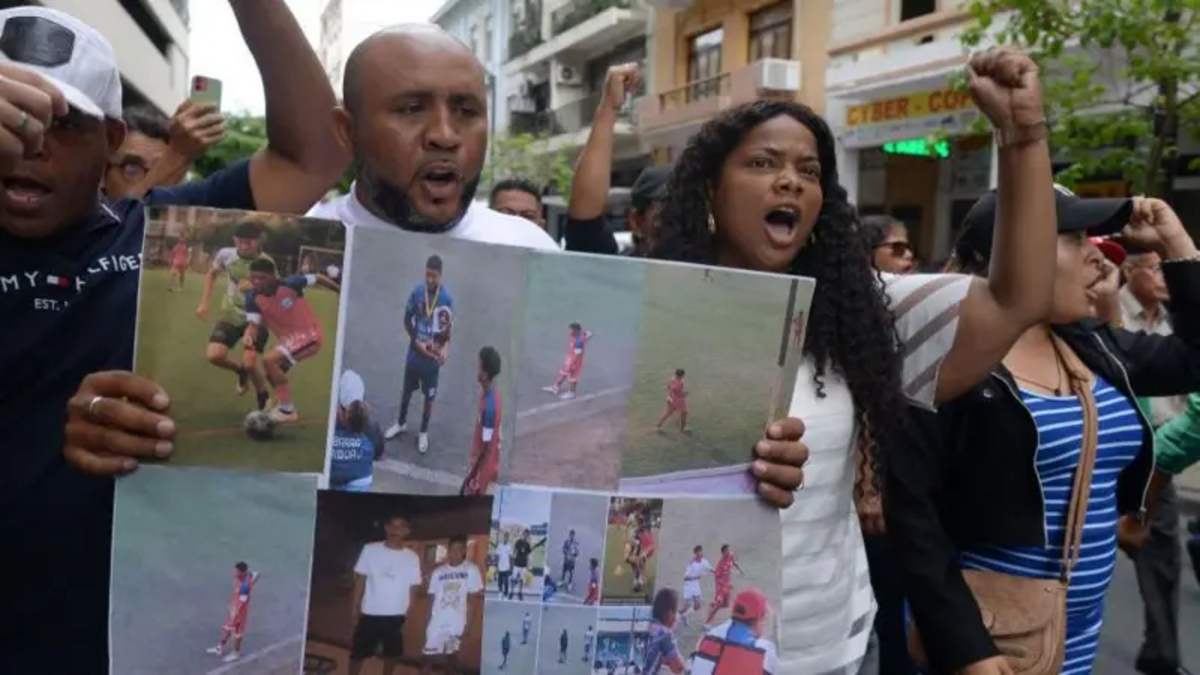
(828, 607)
(504, 557)
(696, 569)
(450, 587)
(391, 574)
(478, 224)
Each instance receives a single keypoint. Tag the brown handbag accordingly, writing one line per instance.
(1027, 618)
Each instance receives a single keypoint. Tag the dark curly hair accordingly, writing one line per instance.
(875, 229)
(850, 327)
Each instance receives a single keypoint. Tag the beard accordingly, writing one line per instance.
(392, 202)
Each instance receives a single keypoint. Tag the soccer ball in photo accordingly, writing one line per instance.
(259, 425)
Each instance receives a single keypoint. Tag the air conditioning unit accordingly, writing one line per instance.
(777, 75)
(568, 75)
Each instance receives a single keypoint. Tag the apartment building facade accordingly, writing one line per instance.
(710, 55)
(480, 25)
(150, 38)
(557, 53)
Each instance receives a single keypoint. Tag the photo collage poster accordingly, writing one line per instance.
(410, 453)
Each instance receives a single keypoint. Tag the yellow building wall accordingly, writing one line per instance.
(674, 28)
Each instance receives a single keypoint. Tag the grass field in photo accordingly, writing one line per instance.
(726, 332)
(204, 403)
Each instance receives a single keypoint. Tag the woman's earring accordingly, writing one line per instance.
(712, 224)
(812, 238)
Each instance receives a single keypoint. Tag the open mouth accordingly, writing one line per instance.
(441, 181)
(25, 193)
(781, 223)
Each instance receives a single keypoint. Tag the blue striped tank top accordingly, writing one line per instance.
(1059, 422)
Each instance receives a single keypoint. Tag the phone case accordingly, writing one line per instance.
(206, 89)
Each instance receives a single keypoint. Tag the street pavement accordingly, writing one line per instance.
(1122, 635)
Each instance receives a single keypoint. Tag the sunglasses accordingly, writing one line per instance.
(897, 248)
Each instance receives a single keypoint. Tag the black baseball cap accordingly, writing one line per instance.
(651, 183)
(1096, 217)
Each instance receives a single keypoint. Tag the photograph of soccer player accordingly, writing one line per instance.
(484, 465)
(257, 323)
(631, 561)
(434, 342)
(181, 257)
(510, 632)
(566, 640)
(578, 522)
(710, 550)
(716, 361)
(621, 634)
(397, 584)
(575, 370)
(739, 646)
(427, 321)
(517, 545)
(279, 306)
(210, 570)
(239, 610)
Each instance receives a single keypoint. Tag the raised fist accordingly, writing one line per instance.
(1006, 87)
(620, 82)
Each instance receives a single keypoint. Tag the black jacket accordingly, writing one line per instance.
(965, 476)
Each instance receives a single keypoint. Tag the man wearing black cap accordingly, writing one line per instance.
(1096, 217)
(589, 189)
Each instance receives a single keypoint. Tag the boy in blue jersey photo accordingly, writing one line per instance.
(357, 440)
(429, 306)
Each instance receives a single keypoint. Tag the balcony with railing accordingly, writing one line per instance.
(575, 12)
(695, 102)
(524, 38)
(581, 30)
(568, 125)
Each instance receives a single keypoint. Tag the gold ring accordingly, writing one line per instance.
(91, 407)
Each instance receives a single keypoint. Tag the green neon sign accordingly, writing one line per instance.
(919, 147)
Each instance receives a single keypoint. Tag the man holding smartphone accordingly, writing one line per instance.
(158, 152)
(69, 264)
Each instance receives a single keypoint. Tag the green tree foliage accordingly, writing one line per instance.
(244, 135)
(527, 156)
(1147, 47)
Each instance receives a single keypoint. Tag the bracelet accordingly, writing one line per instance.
(1191, 259)
(1021, 135)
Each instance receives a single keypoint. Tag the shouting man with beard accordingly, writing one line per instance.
(415, 113)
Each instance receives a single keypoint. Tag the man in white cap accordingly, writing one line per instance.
(69, 264)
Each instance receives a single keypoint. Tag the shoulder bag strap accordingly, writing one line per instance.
(1081, 384)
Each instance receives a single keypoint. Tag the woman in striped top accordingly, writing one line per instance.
(985, 483)
(757, 188)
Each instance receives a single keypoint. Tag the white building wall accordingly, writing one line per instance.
(467, 18)
(161, 77)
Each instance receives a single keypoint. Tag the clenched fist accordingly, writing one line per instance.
(1006, 87)
(620, 82)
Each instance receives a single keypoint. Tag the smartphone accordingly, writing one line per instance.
(206, 90)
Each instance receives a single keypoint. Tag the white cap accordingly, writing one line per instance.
(72, 55)
(350, 388)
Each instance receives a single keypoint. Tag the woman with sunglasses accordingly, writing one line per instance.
(757, 188)
(888, 239)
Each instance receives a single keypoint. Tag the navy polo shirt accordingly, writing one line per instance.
(68, 307)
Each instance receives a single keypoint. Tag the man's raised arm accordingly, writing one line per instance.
(303, 158)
